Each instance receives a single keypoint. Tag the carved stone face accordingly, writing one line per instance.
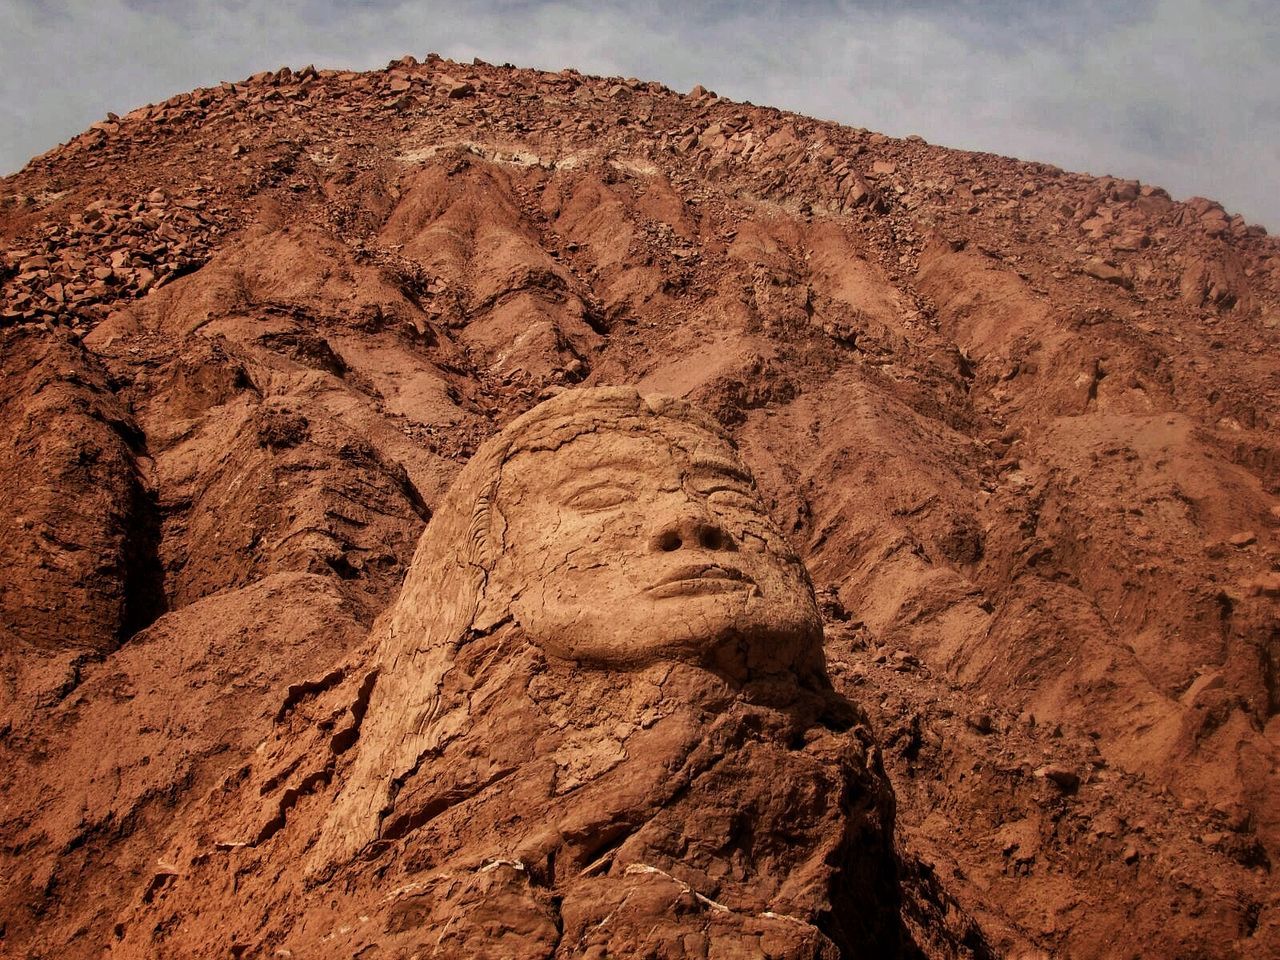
(622, 547)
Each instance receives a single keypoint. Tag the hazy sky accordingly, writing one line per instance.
(1182, 93)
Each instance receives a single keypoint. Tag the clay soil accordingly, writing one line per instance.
(1022, 424)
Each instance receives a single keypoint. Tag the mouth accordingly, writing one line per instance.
(701, 579)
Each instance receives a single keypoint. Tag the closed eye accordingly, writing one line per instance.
(599, 497)
(733, 496)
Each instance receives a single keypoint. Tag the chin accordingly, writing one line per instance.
(694, 627)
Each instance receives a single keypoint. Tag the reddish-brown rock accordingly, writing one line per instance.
(253, 333)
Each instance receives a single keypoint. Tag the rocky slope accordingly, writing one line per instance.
(1021, 423)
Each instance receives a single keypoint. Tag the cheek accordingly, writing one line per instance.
(586, 578)
(566, 534)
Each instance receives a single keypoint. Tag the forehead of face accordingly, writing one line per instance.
(575, 413)
(658, 451)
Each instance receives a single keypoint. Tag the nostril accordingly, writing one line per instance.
(710, 538)
(669, 541)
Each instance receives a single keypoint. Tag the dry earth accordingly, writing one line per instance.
(1022, 425)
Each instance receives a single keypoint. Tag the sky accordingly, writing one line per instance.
(1180, 93)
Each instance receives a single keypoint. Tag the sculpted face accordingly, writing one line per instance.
(625, 546)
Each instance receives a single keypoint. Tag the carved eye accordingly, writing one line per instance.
(600, 497)
(733, 497)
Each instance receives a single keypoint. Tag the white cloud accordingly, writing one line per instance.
(1176, 92)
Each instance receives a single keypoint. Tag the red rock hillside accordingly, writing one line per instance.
(1022, 424)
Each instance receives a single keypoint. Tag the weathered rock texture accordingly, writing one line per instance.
(1020, 424)
(596, 722)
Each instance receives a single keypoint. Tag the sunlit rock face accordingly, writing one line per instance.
(600, 723)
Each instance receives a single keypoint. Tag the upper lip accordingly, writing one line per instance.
(705, 571)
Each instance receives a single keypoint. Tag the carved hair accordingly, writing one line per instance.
(446, 601)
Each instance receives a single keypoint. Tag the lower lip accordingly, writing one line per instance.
(698, 586)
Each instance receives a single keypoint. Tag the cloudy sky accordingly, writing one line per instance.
(1182, 93)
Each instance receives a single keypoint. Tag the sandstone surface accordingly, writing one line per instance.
(1020, 425)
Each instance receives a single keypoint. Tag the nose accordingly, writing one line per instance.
(691, 532)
